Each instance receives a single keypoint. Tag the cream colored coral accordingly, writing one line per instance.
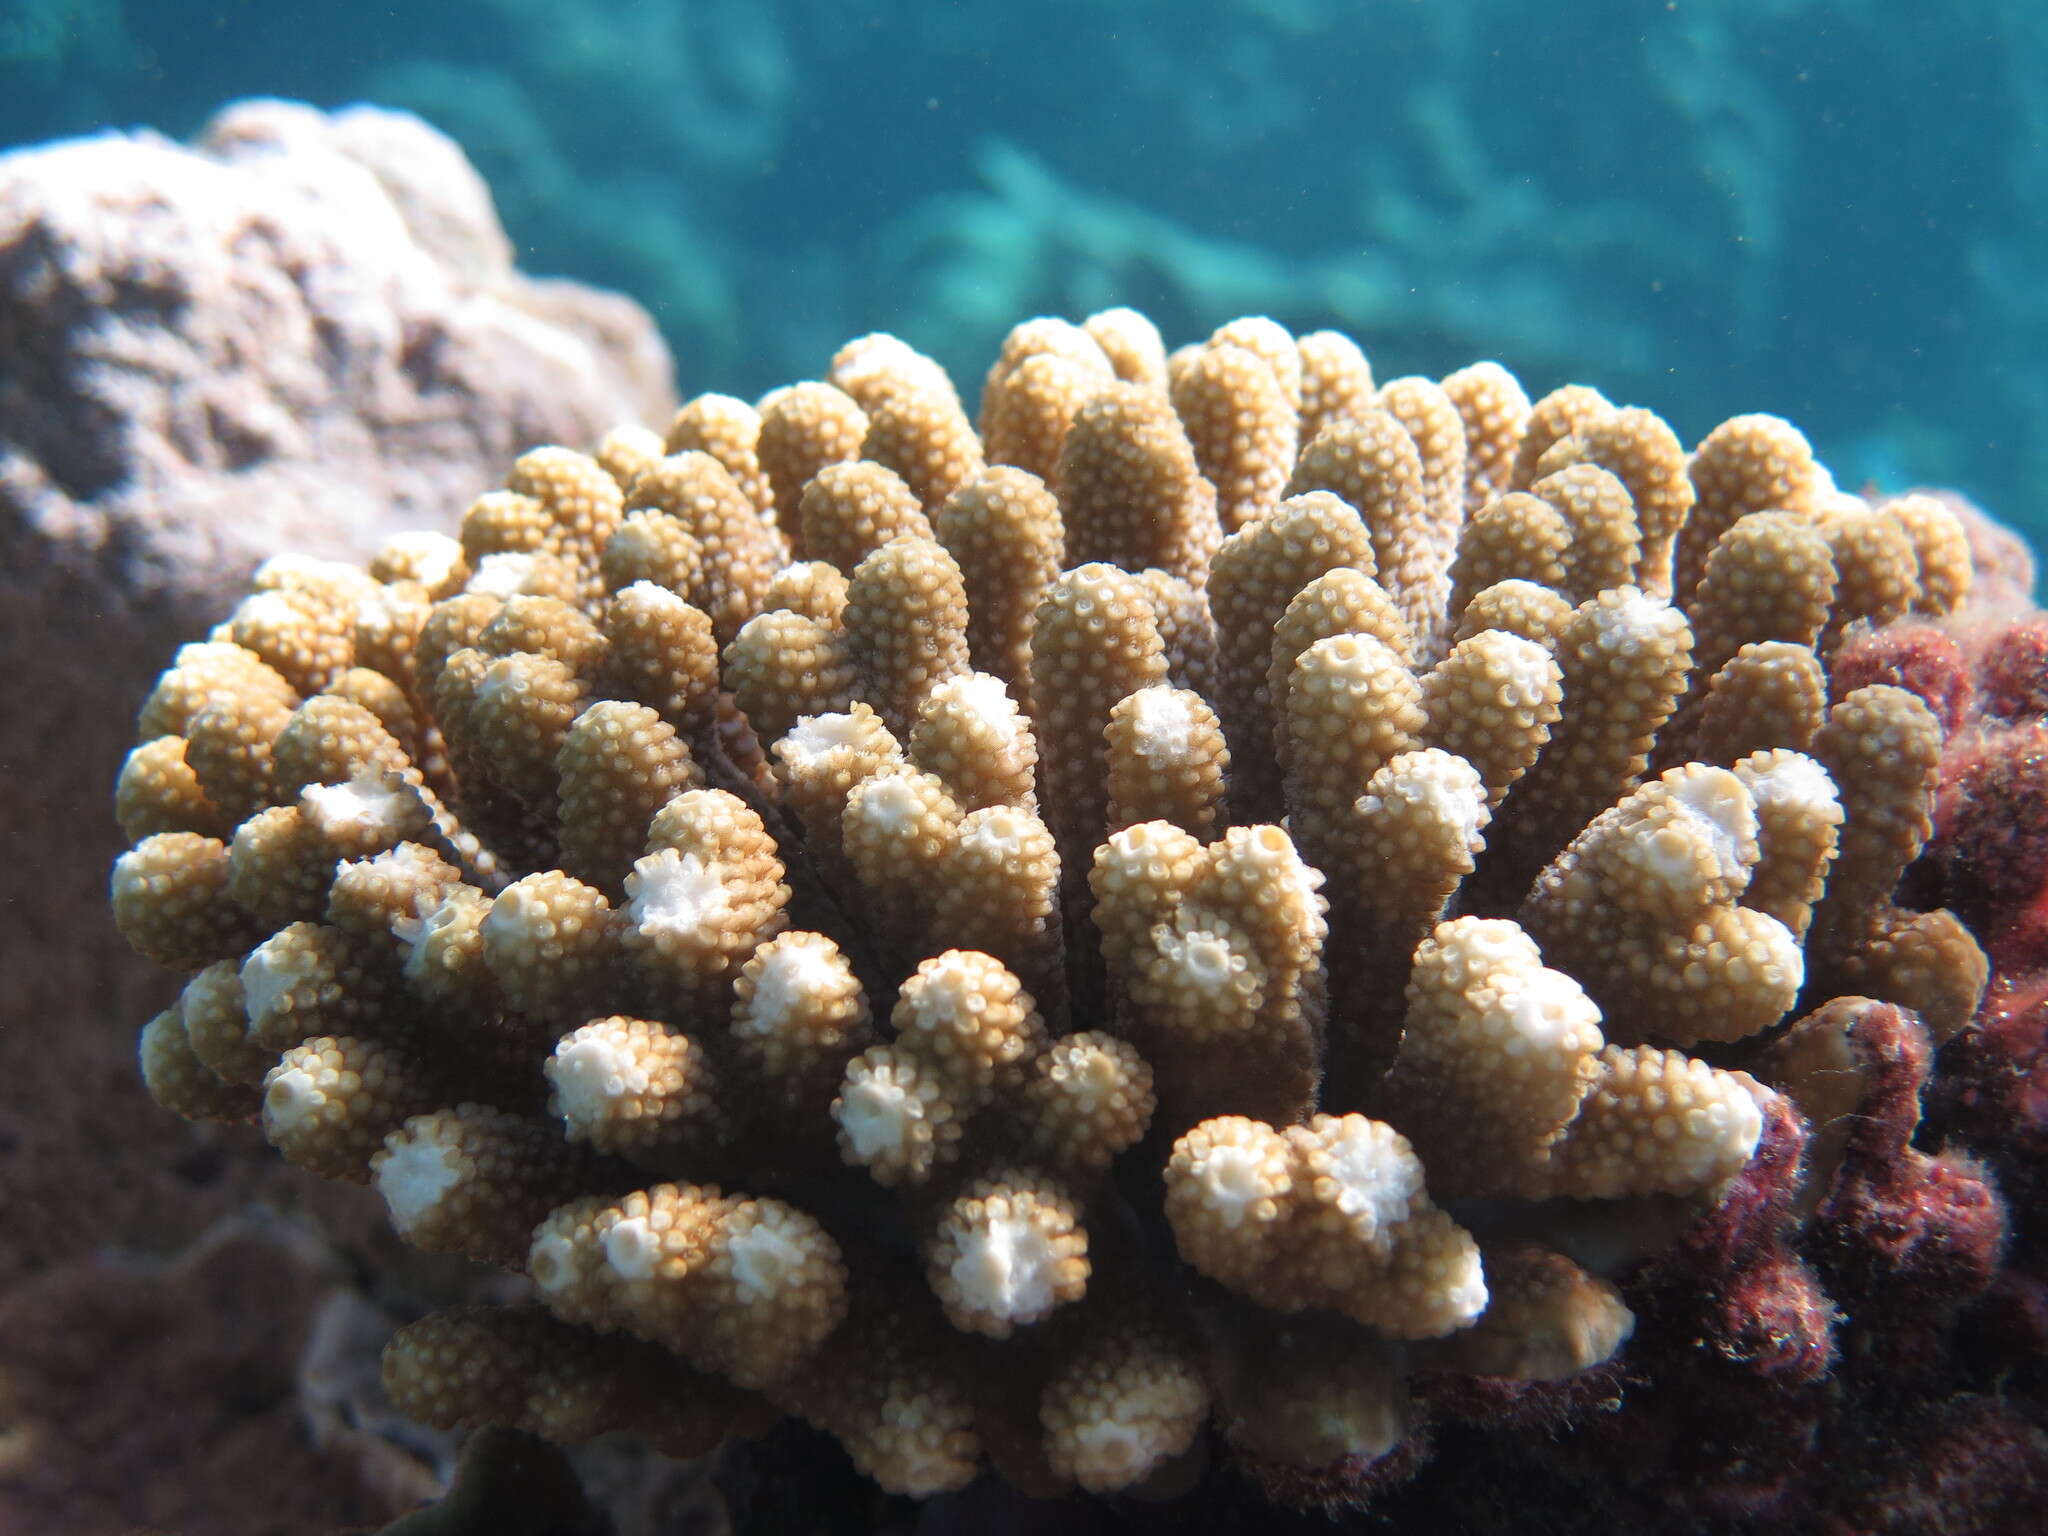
(474, 1180)
(158, 792)
(924, 436)
(661, 651)
(1517, 607)
(1493, 700)
(1351, 705)
(1604, 540)
(619, 764)
(1770, 693)
(1643, 909)
(1215, 954)
(1433, 421)
(172, 903)
(283, 859)
(1525, 1097)
(850, 510)
(1552, 419)
(1005, 531)
(552, 942)
(709, 890)
(739, 550)
(1655, 1122)
(329, 1103)
(311, 979)
(527, 1370)
(1546, 1319)
(1119, 1411)
(730, 431)
(1882, 748)
(799, 1016)
(972, 1025)
(626, 450)
(1089, 1097)
(906, 626)
(1515, 537)
(1255, 575)
(1168, 760)
(899, 831)
(1508, 1047)
(1400, 851)
(1243, 426)
(812, 588)
(1877, 568)
(182, 1083)
(580, 502)
(387, 895)
(1494, 409)
(1370, 461)
(871, 367)
(1336, 380)
(519, 719)
(971, 734)
(215, 1016)
(784, 666)
(1131, 343)
(1645, 454)
(804, 427)
(1343, 605)
(771, 797)
(1332, 1214)
(1131, 494)
(1747, 464)
(1799, 816)
(634, 1088)
(895, 1116)
(889, 1386)
(746, 1288)
(1623, 658)
(821, 758)
(1026, 411)
(1941, 550)
(1095, 640)
(1007, 1252)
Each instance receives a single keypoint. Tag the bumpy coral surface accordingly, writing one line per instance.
(1214, 912)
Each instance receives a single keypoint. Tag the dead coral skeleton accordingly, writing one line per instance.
(1013, 940)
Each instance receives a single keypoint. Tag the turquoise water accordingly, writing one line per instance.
(1830, 211)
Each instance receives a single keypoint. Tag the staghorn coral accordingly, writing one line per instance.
(1336, 928)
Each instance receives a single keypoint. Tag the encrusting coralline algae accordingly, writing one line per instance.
(1222, 907)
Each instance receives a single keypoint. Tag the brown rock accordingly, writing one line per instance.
(151, 1395)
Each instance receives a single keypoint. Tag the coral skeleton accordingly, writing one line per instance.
(1216, 909)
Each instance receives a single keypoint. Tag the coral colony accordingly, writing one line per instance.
(1224, 914)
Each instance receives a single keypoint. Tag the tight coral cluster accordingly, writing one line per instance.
(1218, 908)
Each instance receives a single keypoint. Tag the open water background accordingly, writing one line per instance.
(1833, 211)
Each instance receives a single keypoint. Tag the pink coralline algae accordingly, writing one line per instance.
(1920, 658)
(1856, 1339)
(2014, 668)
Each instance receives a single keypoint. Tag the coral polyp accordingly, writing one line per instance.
(1221, 920)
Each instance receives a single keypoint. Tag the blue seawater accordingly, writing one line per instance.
(1833, 211)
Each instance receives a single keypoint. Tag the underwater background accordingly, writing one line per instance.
(1830, 211)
